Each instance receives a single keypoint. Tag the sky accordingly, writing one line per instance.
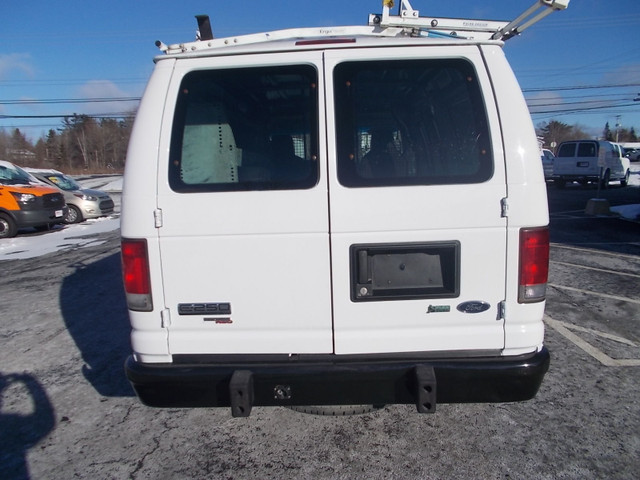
(60, 57)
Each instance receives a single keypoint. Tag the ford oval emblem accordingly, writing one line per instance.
(473, 307)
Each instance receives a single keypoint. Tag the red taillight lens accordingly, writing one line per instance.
(534, 264)
(135, 273)
(135, 266)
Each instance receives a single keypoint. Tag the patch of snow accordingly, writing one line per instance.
(631, 212)
(85, 234)
(634, 177)
(107, 183)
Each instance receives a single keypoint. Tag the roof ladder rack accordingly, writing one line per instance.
(541, 9)
(410, 18)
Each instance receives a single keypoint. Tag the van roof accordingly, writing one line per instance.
(313, 39)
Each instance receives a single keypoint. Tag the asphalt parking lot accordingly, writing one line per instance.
(66, 410)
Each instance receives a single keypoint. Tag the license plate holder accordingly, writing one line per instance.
(404, 271)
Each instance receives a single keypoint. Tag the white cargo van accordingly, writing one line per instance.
(336, 216)
(586, 161)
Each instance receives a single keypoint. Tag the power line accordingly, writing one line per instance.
(74, 81)
(93, 115)
(54, 101)
(567, 111)
(579, 87)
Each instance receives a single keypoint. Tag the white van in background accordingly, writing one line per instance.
(590, 161)
(336, 216)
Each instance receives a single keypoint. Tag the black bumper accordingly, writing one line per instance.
(242, 382)
(40, 217)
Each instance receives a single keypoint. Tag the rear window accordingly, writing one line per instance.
(416, 122)
(245, 129)
(567, 150)
(587, 149)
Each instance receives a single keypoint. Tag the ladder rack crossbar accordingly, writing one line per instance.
(409, 18)
(466, 25)
(517, 26)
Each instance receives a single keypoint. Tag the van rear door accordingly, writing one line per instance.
(418, 239)
(244, 207)
(382, 233)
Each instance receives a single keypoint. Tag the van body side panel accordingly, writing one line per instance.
(149, 336)
(527, 199)
(621, 164)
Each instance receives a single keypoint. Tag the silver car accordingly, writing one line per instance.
(547, 163)
(83, 203)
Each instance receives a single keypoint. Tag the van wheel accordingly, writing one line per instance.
(625, 181)
(335, 410)
(8, 228)
(605, 180)
(74, 215)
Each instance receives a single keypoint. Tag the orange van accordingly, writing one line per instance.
(24, 202)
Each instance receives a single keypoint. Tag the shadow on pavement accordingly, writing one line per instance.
(26, 417)
(94, 309)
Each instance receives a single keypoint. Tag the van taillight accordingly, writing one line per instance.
(135, 273)
(534, 264)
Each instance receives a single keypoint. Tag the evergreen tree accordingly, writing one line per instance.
(4, 145)
(52, 150)
(19, 141)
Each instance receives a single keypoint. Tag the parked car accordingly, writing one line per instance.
(83, 203)
(547, 163)
(27, 203)
(589, 161)
(633, 154)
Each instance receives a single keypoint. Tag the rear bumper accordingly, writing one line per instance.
(577, 178)
(245, 381)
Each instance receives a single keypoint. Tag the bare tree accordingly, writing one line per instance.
(554, 133)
